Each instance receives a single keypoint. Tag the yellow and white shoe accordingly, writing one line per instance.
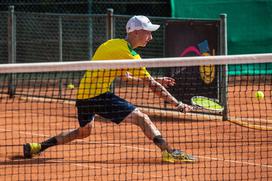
(177, 156)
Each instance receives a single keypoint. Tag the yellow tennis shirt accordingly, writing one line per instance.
(96, 82)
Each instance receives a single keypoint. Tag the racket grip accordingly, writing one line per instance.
(195, 108)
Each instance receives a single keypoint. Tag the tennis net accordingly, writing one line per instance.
(37, 101)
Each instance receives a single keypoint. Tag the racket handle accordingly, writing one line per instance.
(196, 108)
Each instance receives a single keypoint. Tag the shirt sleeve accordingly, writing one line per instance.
(139, 72)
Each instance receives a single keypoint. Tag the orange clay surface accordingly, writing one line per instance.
(225, 151)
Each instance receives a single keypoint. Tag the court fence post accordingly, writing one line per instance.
(224, 68)
(109, 23)
(11, 49)
(60, 52)
(109, 29)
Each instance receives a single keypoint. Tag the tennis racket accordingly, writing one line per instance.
(212, 105)
(206, 104)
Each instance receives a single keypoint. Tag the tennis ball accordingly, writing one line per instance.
(259, 95)
(70, 86)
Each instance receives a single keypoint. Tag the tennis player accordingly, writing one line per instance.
(95, 98)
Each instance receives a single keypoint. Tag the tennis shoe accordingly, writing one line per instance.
(31, 149)
(177, 156)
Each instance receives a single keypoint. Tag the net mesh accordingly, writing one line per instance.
(38, 102)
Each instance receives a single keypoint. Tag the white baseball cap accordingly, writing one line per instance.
(140, 23)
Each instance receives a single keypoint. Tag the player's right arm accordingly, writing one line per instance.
(158, 89)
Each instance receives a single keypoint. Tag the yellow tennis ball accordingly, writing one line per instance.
(259, 95)
(70, 86)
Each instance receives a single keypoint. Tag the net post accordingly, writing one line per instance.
(224, 68)
(60, 53)
(11, 49)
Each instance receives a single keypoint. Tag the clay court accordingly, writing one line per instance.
(36, 102)
(225, 151)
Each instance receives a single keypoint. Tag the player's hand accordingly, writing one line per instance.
(128, 76)
(184, 107)
(166, 81)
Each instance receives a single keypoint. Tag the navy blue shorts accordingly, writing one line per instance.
(106, 105)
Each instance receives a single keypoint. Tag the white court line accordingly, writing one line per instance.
(90, 142)
(144, 149)
(87, 166)
(83, 165)
(239, 162)
(251, 119)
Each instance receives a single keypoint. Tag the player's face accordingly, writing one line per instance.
(143, 37)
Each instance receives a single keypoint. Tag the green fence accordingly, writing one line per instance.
(250, 69)
(249, 26)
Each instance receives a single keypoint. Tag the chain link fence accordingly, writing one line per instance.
(27, 37)
(3, 37)
(127, 7)
(46, 38)
(70, 30)
(49, 37)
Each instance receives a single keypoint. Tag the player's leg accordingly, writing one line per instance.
(150, 130)
(148, 127)
(68, 136)
(118, 110)
(32, 149)
(85, 117)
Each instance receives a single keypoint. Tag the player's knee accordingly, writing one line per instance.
(140, 118)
